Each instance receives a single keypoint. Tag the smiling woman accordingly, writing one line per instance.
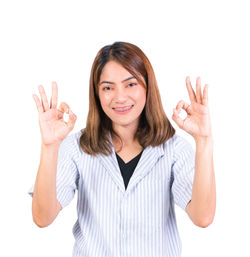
(114, 69)
(129, 166)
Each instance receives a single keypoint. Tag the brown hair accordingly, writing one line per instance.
(154, 127)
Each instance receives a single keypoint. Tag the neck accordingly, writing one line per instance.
(126, 134)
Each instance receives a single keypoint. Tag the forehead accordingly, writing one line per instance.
(114, 71)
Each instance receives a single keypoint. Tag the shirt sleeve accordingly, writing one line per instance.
(182, 172)
(67, 175)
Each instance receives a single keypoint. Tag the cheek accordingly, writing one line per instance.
(140, 95)
(104, 99)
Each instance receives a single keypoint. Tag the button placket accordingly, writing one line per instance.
(124, 224)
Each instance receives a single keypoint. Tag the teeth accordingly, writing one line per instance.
(123, 109)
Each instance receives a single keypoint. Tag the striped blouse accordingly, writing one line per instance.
(138, 221)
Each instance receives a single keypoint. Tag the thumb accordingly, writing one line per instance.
(72, 119)
(177, 119)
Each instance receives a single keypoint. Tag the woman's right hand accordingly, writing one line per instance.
(52, 125)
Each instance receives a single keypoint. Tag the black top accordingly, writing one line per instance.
(128, 168)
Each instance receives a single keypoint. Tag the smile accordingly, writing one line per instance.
(122, 110)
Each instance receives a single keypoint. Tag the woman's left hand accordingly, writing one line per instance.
(197, 123)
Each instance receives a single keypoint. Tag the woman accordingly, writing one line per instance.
(128, 164)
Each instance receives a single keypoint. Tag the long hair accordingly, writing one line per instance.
(154, 128)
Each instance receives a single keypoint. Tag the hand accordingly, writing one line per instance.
(52, 126)
(197, 123)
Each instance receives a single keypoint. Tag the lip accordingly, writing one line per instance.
(123, 112)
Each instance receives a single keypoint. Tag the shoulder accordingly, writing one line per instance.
(70, 144)
(72, 139)
(177, 144)
(176, 141)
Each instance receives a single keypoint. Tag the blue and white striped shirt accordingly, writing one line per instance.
(136, 222)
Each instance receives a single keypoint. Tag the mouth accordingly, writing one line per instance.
(124, 109)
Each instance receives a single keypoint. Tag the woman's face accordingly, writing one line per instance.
(121, 96)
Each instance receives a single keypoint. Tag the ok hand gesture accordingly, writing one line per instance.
(197, 123)
(52, 125)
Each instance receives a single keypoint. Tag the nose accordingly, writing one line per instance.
(120, 95)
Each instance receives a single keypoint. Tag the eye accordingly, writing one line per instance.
(131, 84)
(106, 88)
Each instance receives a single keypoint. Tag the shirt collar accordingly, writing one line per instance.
(149, 158)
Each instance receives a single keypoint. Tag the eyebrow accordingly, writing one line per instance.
(109, 82)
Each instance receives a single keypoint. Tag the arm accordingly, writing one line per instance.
(201, 209)
(45, 206)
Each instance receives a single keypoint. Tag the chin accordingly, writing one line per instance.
(124, 123)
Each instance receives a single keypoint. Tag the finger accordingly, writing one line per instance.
(63, 107)
(205, 95)
(198, 90)
(177, 119)
(59, 114)
(38, 103)
(182, 105)
(190, 89)
(72, 119)
(54, 97)
(44, 98)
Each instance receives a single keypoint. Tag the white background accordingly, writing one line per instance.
(42, 41)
